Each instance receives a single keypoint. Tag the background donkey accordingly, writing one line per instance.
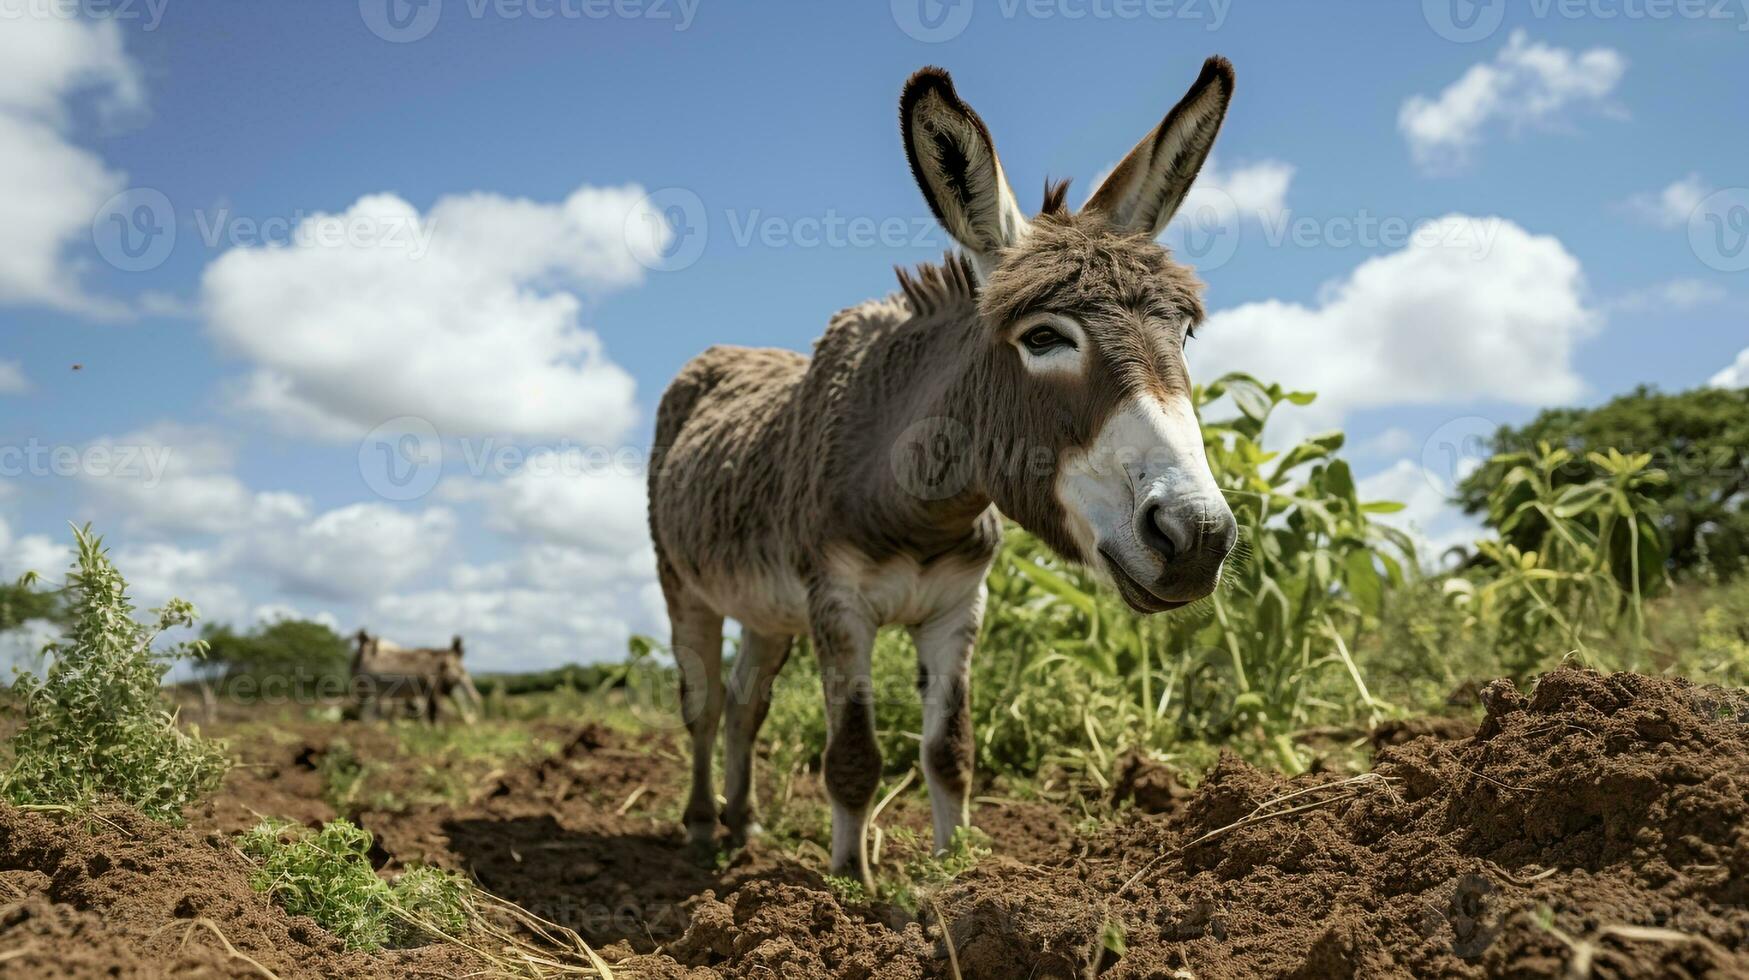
(409, 679)
(1042, 374)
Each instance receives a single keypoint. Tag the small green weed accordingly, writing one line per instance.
(327, 876)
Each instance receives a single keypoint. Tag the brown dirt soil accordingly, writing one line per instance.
(116, 895)
(1594, 827)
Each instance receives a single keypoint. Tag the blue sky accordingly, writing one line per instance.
(485, 234)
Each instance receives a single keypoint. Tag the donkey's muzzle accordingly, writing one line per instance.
(1186, 534)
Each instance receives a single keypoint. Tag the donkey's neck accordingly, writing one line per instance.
(927, 446)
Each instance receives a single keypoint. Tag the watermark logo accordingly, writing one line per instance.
(1455, 450)
(935, 21)
(135, 230)
(1718, 230)
(932, 21)
(1464, 21)
(932, 458)
(1205, 231)
(401, 459)
(1472, 915)
(667, 230)
(401, 21)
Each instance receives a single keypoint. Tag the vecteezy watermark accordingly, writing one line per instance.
(405, 21)
(1468, 21)
(145, 463)
(1718, 230)
(401, 459)
(1455, 450)
(668, 229)
(136, 230)
(1211, 227)
(148, 14)
(935, 21)
(219, 228)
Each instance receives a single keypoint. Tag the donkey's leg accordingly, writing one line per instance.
(756, 666)
(844, 634)
(698, 655)
(944, 656)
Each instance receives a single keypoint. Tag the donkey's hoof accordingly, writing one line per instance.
(739, 836)
(701, 841)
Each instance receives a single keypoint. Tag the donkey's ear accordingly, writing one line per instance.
(955, 164)
(1146, 189)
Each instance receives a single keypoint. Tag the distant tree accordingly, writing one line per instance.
(1700, 438)
(288, 651)
(22, 601)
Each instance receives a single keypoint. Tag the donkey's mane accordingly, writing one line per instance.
(934, 288)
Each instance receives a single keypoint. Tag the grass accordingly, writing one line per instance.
(327, 876)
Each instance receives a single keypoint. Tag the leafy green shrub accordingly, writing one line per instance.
(285, 658)
(1598, 553)
(96, 726)
(1697, 436)
(327, 876)
(22, 601)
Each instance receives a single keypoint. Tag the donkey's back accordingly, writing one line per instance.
(720, 492)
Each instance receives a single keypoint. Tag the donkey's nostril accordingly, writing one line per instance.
(1156, 533)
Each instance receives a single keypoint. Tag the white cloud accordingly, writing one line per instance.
(1393, 441)
(462, 316)
(1256, 189)
(1672, 296)
(49, 60)
(1672, 206)
(1434, 323)
(157, 572)
(1735, 376)
(1526, 84)
(32, 553)
(548, 604)
(354, 552)
(172, 479)
(12, 379)
(1435, 523)
(568, 498)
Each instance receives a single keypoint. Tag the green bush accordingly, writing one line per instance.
(279, 659)
(1698, 437)
(21, 602)
(96, 726)
(327, 876)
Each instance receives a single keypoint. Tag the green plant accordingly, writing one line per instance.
(1598, 553)
(22, 601)
(917, 875)
(1697, 436)
(327, 876)
(96, 726)
(342, 774)
(278, 659)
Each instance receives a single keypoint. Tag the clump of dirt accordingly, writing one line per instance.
(1399, 731)
(1151, 786)
(113, 894)
(1599, 821)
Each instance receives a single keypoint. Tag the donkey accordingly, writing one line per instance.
(865, 486)
(415, 679)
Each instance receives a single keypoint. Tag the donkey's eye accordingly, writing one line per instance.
(1043, 340)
